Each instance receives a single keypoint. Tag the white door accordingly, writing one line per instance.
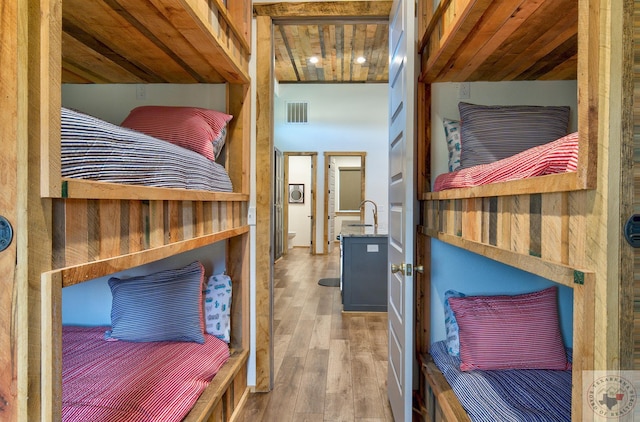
(401, 206)
(331, 218)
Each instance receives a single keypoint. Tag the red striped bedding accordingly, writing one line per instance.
(558, 156)
(125, 381)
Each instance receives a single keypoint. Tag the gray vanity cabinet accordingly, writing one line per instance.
(364, 273)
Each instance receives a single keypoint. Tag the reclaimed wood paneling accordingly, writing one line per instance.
(127, 41)
(336, 33)
(537, 225)
(92, 230)
(495, 41)
(12, 306)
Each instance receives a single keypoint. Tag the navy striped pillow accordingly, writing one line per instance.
(491, 133)
(164, 306)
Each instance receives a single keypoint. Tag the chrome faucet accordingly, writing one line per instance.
(375, 211)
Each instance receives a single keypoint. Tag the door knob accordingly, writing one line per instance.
(419, 269)
(398, 268)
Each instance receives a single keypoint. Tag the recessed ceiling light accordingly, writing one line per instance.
(361, 60)
(313, 60)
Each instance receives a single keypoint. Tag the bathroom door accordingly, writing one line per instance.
(401, 207)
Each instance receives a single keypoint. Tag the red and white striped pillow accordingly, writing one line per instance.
(510, 332)
(198, 129)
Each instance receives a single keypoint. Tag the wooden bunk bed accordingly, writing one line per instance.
(548, 225)
(82, 229)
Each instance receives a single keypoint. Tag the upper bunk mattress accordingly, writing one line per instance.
(126, 381)
(507, 395)
(96, 150)
(559, 156)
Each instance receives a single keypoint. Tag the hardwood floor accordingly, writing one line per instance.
(329, 366)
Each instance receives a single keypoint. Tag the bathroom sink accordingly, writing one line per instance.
(359, 225)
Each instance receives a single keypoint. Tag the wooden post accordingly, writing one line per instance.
(264, 172)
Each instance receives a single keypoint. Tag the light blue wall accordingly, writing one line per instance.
(89, 303)
(472, 274)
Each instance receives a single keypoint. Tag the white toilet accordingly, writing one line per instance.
(290, 239)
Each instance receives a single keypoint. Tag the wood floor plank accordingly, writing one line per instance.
(306, 417)
(300, 340)
(281, 344)
(288, 325)
(282, 310)
(358, 334)
(338, 403)
(280, 407)
(313, 385)
(310, 308)
(330, 366)
(321, 335)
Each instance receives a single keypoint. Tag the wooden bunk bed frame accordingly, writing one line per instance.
(75, 230)
(563, 227)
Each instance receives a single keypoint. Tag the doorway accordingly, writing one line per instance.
(265, 94)
(300, 200)
(344, 181)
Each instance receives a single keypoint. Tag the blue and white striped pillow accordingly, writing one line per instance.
(491, 133)
(452, 132)
(217, 307)
(164, 306)
(451, 324)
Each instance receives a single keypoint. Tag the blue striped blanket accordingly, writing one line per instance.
(96, 150)
(507, 395)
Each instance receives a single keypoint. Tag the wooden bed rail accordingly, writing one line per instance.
(442, 403)
(539, 233)
(97, 237)
(562, 182)
(87, 189)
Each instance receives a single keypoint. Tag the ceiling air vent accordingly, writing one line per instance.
(297, 112)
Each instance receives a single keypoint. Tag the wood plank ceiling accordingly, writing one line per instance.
(346, 51)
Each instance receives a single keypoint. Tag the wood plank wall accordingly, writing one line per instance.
(636, 182)
(537, 225)
(89, 230)
(12, 300)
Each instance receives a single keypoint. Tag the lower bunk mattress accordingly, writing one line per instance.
(126, 381)
(507, 395)
(96, 150)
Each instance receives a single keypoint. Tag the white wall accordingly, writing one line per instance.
(445, 105)
(342, 117)
(299, 221)
(454, 268)
(112, 102)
